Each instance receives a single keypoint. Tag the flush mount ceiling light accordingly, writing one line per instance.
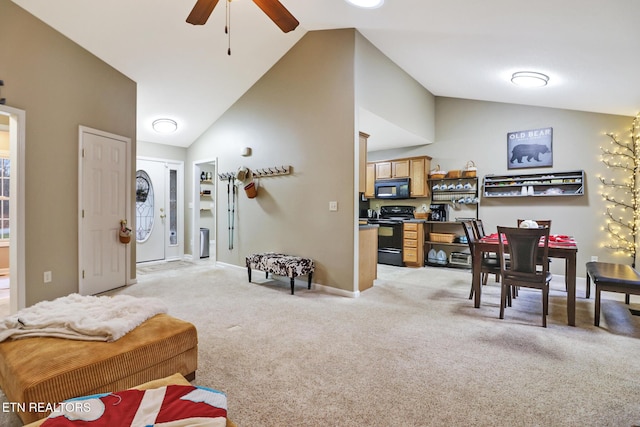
(164, 125)
(529, 79)
(367, 4)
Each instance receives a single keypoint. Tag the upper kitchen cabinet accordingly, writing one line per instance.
(392, 169)
(415, 168)
(419, 168)
(370, 181)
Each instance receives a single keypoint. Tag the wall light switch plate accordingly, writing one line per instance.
(333, 206)
(47, 277)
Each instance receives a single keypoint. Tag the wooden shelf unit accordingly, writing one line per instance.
(548, 184)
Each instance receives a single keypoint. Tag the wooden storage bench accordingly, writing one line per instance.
(282, 265)
(613, 278)
(50, 370)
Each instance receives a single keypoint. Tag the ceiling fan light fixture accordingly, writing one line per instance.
(164, 125)
(529, 79)
(367, 4)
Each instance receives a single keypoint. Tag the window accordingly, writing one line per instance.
(5, 177)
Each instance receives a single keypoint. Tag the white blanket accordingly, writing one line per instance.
(78, 317)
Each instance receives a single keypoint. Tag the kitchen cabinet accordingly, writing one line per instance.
(370, 191)
(447, 236)
(392, 169)
(549, 184)
(368, 256)
(419, 171)
(413, 244)
(415, 168)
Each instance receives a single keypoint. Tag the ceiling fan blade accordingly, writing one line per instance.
(201, 12)
(278, 14)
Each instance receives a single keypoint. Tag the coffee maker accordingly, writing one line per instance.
(438, 212)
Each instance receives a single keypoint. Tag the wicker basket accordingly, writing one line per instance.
(442, 237)
(437, 173)
(470, 170)
(454, 174)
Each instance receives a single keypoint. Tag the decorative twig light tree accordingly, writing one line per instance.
(622, 198)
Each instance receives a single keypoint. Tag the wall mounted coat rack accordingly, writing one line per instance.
(259, 173)
(272, 171)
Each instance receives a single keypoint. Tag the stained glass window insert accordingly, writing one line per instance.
(144, 206)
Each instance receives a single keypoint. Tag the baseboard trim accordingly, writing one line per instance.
(302, 281)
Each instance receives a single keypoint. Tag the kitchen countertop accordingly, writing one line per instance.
(367, 226)
(416, 220)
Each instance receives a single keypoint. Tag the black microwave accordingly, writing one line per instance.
(398, 188)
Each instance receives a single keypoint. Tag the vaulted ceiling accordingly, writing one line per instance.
(458, 48)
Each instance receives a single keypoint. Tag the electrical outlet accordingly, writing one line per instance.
(333, 206)
(594, 258)
(47, 277)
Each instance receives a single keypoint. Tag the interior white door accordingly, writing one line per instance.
(151, 210)
(103, 178)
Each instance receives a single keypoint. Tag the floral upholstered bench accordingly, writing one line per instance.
(281, 265)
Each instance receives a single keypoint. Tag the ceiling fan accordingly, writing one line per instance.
(273, 8)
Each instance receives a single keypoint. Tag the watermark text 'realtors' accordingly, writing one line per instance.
(45, 407)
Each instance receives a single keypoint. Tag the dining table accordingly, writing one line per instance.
(560, 246)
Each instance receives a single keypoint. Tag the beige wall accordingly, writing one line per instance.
(303, 113)
(477, 130)
(300, 113)
(161, 151)
(60, 86)
(389, 92)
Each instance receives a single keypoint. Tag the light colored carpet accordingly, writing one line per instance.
(153, 267)
(411, 351)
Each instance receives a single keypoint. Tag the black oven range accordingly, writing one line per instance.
(390, 223)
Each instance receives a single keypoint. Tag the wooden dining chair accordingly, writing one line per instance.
(478, 227)
(525, 246)
(541, 223)
(488, 265)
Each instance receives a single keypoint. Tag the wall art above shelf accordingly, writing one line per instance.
(548, 184)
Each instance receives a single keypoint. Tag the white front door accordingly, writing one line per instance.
(103, 204)
(151, 210)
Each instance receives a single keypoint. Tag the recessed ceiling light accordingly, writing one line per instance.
(529, 79)
(367, 4)
(164, 125)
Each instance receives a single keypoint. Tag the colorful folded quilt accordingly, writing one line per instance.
(173, 405)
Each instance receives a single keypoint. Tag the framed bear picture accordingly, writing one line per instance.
(530, 148)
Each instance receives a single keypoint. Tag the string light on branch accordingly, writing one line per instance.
(623, 199)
